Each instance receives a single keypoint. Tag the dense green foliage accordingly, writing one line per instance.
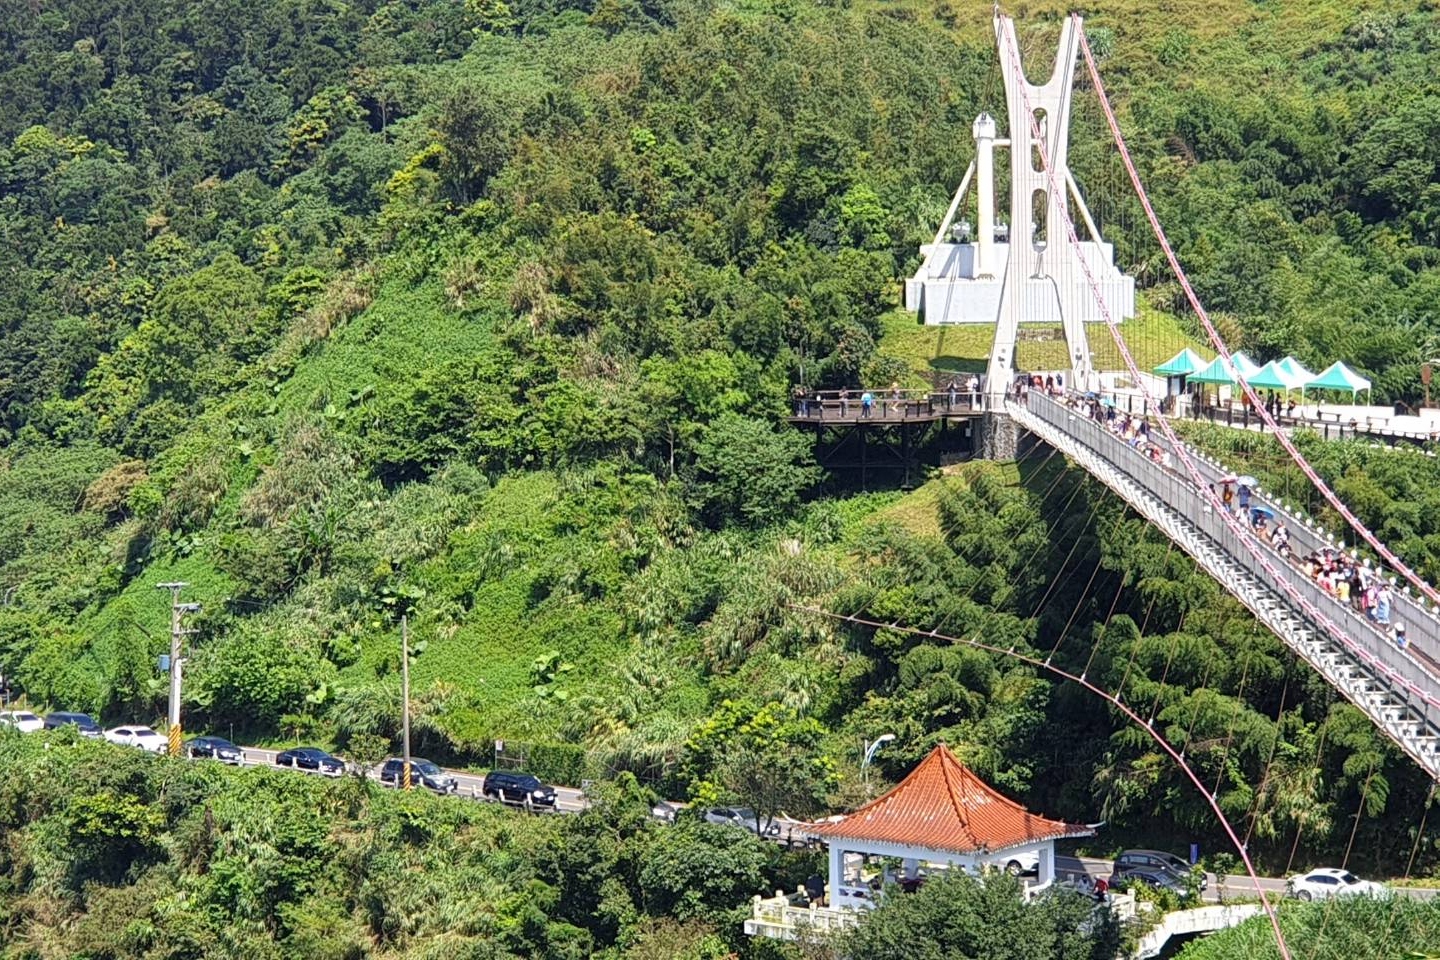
(176, 860)
(1336, 930)
(964, 917)
(487, 314)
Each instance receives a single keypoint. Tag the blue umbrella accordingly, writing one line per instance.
(1107, 402)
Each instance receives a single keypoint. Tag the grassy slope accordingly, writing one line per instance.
(1153, 337)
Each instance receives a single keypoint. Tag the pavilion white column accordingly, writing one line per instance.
(837, 865)
(1046, 873)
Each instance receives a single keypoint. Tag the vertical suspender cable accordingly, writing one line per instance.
(1219, 343)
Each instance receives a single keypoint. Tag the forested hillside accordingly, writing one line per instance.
(487, 314)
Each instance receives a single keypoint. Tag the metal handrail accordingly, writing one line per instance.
(1180, 495)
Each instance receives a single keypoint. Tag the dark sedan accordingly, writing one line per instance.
(215, 748)
(311, 758)
(82, 722)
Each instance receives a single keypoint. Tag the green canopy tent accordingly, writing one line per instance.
(1247, 367)
(1221, 373)
(1272, 377)
(1339, 377)
(1183, 364)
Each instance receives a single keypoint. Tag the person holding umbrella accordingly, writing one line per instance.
(1246, 485)
(1259, 516)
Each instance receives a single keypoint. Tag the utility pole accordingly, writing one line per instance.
(177, 632)
(405, 694)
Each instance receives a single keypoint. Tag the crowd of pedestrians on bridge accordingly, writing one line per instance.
(1337, 573)
(1340, 575)
(1132, 429)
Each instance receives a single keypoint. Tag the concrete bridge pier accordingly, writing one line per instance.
(999, 437)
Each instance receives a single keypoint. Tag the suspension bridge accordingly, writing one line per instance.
(1038, 269)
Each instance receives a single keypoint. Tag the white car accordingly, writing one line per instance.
(1327, 882)
(22, 720)
(1016, 862)
(142, 737)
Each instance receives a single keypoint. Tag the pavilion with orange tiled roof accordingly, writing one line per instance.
(942, 813)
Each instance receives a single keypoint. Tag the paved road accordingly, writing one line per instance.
(1235, 886)
(567, 799)
(571, 800)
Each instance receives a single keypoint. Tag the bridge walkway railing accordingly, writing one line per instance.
(1398, 689)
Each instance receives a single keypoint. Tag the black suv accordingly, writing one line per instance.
(511, 787)
(311, 758)
(84, 724)
(423, 773)
(216, 748)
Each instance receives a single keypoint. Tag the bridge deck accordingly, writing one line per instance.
(1398, 689)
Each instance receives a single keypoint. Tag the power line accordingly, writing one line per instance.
(1164, 744)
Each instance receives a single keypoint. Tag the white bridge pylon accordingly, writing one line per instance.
(1024, 269)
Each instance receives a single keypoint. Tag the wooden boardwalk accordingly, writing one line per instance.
(827, 408)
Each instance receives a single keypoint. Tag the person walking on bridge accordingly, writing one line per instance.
(844, 402)
(951, 392)
(802, 401)
(974, 392)
(1383, 599)
(867, 403)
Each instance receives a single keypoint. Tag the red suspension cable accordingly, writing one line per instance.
(1219, 343)
(1210, 798)
(1180, 449)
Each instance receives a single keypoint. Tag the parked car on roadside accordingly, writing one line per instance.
(215, 748)
(135, 736)
(1327, 882)
(423, 773)
(1017, 862)
(1159, 879)
(1153, 861)
(510, 786)
(84, 724)
(742, 817)
(22, 720)
(311, 758)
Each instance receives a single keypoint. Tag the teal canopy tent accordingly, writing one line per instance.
(1339, 377)
(1247, 367)
(1272, 377)
(1183, 364)
(1220, 372)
